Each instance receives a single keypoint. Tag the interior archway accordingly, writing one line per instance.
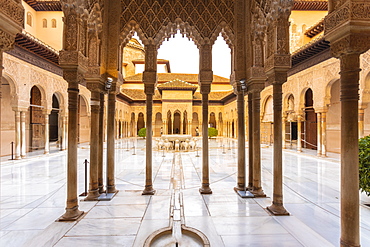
(37, 120)
(310, 124)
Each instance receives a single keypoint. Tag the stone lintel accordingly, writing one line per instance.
(73, 60)
(256, 85)
(351, 43)
(256, 72)
(205, 77)
(278, 61)
(276, 76)
(205, 87)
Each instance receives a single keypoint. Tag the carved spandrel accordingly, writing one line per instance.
(6, 41)
(14, 10)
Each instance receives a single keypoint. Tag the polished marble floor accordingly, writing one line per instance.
(33, 193)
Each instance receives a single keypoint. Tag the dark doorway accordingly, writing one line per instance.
(37, 120)
(310, 126)
(54, 120)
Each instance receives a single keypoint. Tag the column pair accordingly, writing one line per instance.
(20, 134)
(321, 134)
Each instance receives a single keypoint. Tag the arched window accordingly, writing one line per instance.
(294, 28)
(53, 23)
(29, 19)
(44, 23)
(304, 28)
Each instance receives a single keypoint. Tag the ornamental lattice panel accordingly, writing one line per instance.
(204, 15)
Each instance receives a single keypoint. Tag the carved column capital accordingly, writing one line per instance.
(352, 43)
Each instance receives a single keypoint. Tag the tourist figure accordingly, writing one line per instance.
(196, 131)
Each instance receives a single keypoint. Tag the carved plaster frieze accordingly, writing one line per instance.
(6, 41)
(14, 10)
(342, 15)
(280, 61)
(73, 77)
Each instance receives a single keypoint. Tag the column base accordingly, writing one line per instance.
(277, 210)
(46, 152)
(23, 156)
(93, 195)
(258, 192)
(111, 189)
(71, 214)
(101, 189)
(345, 244)
(205, 189)
(148, 190)
(18, 158)
(240, 188)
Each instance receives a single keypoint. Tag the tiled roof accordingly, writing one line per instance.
(139, 95)
(166, 77)
(178, 84)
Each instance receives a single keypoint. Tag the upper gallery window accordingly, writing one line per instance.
(54, 23)
(29, 19)
(44, 23)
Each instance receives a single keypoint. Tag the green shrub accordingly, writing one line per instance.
(364, 163)
(142, 132)
(212, 132)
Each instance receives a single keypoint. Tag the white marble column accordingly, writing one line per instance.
(241, 139)
(150, 82)
(284, 132)
(361, 125)
(319, 134)
(323, 136)
(250, 141)
(23, 134)
(101, 145)
(257, 169)
(17, 143)
(205, 79)
(111, 187)
(277, 207)
(93, 193)
(299, 133)
(350, 212)
(46, 134)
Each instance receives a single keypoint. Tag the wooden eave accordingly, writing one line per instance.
(26, 42)
(310, 5)
(311, 49)
(45, 5)
(315, 29)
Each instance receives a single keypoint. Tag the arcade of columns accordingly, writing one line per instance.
(93, 43)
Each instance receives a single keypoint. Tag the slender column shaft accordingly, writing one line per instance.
(205, 189)
(299, 134)
(241, 142)
(17, 135)
(323, 130)
(46, 136)
(23, 134)
(284, 133)
(94, 150)
(72, 211)
(101, 145)
(149, 169)
(257, 174)
(350, 214)
(111, 187)
(361, 123)
(63, 133)
(277, 207)
(250, 141)
(319, 134)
